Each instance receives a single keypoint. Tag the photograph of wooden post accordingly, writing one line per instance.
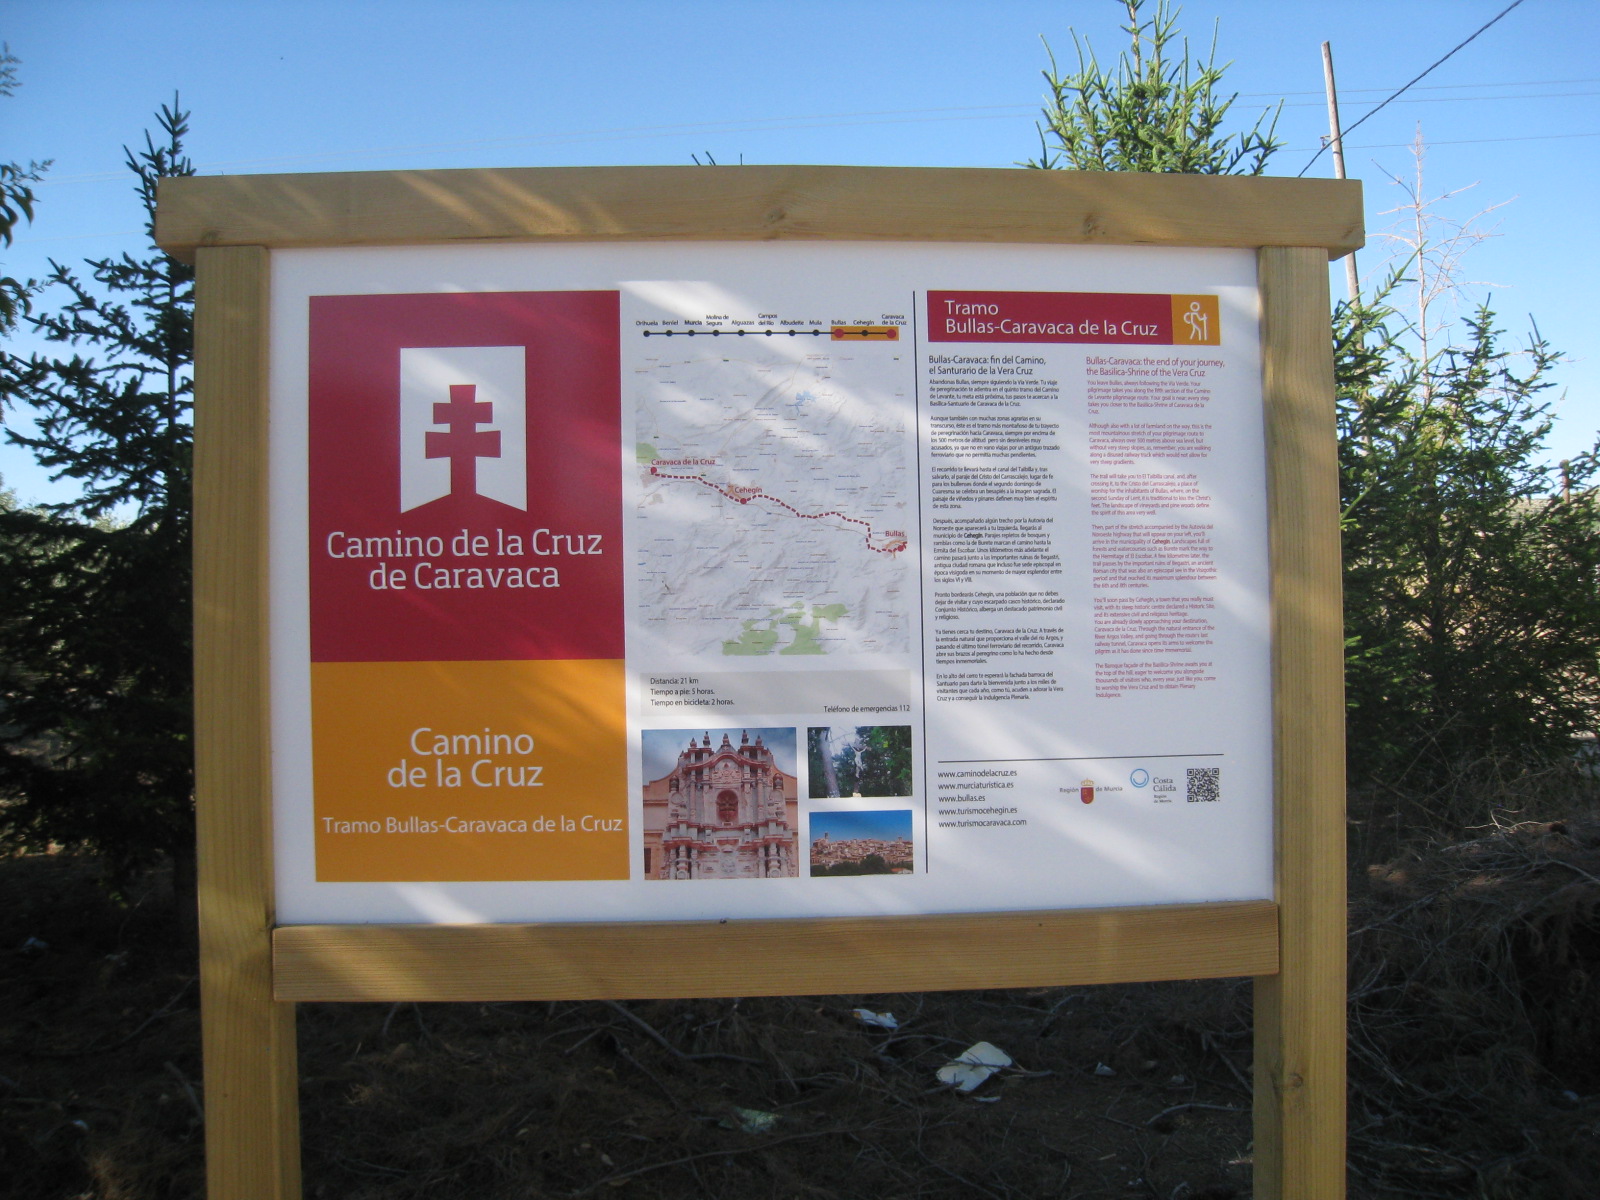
(265, 942)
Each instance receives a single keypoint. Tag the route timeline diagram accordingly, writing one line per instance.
(839, 333)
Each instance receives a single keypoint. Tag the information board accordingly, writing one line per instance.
(708, 580)
(579, 549)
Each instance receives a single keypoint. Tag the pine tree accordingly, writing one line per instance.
(16, 205)
(1154, 112)
(96, 751)
(1471, 600)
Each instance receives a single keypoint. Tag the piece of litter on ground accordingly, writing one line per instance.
(876, 1020)
(972, 1066)
(750, 1120)
(1102, 1069)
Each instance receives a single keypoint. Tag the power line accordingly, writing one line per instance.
(1439, 87)
(1374, 112)
(817, 121)
(773, 125)
(1447, 100)
(1523, 137)
(737, 125)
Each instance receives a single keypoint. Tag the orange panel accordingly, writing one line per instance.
(467, 771)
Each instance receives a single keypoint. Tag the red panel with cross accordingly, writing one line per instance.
(465, 482)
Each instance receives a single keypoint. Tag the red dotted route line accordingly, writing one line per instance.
(893, 548)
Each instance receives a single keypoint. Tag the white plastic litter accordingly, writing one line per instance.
(750, 1120)
(1102, 1069)
(876, 1020)
(972, 1066)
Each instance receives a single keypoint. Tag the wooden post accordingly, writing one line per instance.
(1300, 1012)
(252, 1110)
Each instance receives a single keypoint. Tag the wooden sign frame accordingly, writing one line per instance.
(253, 972)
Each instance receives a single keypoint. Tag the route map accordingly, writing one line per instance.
(775, 497)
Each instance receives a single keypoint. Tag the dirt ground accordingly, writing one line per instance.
(1126, 1092)
(1475, 1066)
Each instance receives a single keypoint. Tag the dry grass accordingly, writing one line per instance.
(1475, 993)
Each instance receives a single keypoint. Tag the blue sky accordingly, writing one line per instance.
(385, 84)
(661, 747)
(885, 825)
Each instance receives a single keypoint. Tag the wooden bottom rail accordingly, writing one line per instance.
(673, 959)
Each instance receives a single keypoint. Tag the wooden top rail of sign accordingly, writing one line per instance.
(902, 204)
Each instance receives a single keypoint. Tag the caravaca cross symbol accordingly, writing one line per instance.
(464, 444)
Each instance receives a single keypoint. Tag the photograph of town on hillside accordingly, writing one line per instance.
(876, 842)
(859, 760)
(720, 804)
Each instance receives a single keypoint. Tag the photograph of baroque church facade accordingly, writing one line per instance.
(726, 810)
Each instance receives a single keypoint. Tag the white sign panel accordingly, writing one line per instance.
(649, 582)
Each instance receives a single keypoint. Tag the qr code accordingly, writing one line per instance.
(1205, 784)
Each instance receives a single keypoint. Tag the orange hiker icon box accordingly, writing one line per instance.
(1196, 321)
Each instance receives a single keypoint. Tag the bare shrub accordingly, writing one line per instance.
(1475, 982)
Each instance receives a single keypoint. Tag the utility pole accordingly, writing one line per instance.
(1336, 143)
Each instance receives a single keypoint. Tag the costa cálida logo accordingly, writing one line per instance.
(465, 490)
